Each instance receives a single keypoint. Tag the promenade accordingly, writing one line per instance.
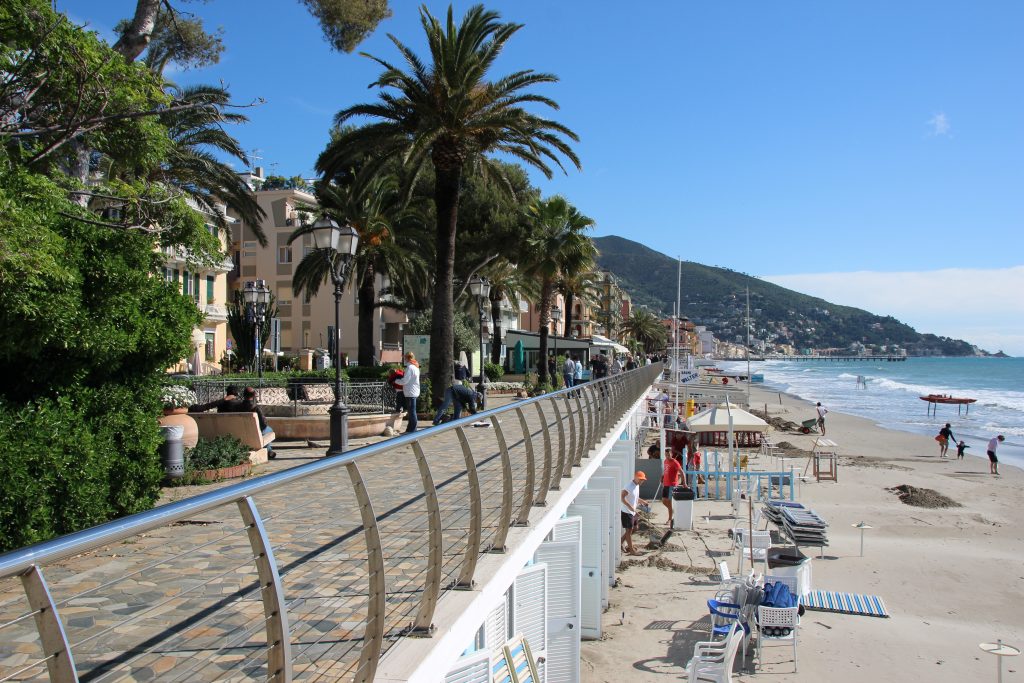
(187, 602)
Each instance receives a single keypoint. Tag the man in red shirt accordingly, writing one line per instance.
(669, 480)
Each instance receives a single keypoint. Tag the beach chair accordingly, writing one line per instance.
(788, 580)
(777, 626)
(762, 541)
(713, 661)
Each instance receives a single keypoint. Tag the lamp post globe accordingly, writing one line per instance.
(339, 244)
(480, 288)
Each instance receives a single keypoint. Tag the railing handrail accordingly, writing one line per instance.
(18, 561)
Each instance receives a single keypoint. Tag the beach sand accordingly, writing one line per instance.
(951, 578)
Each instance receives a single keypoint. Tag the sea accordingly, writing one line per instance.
(890, 395)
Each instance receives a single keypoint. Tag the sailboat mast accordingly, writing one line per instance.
(748, 347)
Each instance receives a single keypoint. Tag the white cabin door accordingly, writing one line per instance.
(530, 612)
(612, 489)
(591, 566)
(563, 561)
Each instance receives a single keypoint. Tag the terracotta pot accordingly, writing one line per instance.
(191, 436)
(175, 411)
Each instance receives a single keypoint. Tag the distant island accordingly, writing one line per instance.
(782, 321)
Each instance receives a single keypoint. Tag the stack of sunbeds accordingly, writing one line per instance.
(801, 524)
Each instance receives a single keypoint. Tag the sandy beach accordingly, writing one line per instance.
(951, 578)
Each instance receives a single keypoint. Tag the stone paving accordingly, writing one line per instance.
(182, 603)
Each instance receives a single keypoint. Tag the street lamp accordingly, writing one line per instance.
(481, 289)
(256, 296)
(556, 317)
(338, 245)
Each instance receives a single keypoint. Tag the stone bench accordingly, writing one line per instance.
(243, 426)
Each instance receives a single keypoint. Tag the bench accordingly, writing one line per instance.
(243, 426)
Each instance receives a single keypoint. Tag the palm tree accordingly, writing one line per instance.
(389, 244)
(645, 328)
(191, 166)
(507, 281)
(449, 113)
(557, 245)
(582, 285)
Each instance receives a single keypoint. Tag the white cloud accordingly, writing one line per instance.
(985, 307)
(938, 125)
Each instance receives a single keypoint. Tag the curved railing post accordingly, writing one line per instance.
(56, 649)
(572, 445)
(423, 623)
(548, 481)
(564, 464)
(505, 518)
(523, 518)
(582, 446)
(376, 599)
(465, 580)
(279, 649)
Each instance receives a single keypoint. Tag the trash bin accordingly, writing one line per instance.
(172, 451)
(682, 505)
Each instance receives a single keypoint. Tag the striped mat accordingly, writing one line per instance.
(845, 603)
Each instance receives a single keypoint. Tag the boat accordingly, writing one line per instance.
(935, 399)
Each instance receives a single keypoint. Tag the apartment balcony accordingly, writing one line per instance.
(215, 312)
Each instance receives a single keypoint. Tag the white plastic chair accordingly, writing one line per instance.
(762, 541)
(713, 661)
(788, 580)
(777, 618)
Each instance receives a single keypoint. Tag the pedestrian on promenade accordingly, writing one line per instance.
(463, 397)
(944, 437)
(577, 373)
(569, 371)
(993, 461)
(599, 366)
(410, 383)
(821, 417)
(631, 500)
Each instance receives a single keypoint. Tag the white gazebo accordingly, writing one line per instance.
(727, 425)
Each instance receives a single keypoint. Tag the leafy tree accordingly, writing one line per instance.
(465, 333)
(178, 39)
(507, 281)
(556, 246)
(448, 112)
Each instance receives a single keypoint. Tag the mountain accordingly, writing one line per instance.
(716, 298)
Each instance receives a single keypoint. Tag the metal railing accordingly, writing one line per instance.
(312, 572)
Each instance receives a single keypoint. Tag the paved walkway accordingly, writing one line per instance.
(181, 603)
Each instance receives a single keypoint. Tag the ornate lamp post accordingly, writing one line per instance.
(556, 317)
(480, 288)
(256, 296)
(338, 245)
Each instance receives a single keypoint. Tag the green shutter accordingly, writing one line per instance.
(177, 276)
(209, 288)
(195, 287)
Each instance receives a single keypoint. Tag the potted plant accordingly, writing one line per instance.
(177, 398)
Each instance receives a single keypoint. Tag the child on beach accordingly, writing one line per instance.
(960, 448)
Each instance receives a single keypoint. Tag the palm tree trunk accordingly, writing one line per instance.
(568, 313)
(442, 334)
(545, 320)
(367, 301)
(495, 326)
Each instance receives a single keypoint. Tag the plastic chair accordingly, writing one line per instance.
(713, 661)
(762, 541)
(788, 580)
(770, 624)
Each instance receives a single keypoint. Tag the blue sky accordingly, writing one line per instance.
(787, 139)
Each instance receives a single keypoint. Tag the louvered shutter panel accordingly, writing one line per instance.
(563, 574)
(496, 628)
(474, 668)
(529, 618)
(592, 563)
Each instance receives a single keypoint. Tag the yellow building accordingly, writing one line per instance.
(304, 321)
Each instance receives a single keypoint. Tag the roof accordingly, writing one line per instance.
(716, 419)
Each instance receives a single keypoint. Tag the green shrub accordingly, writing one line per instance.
(213, 454)
(363, 373)
(494, 371)
(76, 461)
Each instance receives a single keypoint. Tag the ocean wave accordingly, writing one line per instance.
(894, 385)
(846, 375)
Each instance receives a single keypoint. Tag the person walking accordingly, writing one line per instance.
(577, 373)
(944, 437)
(630, 501)
(821, 417)
(569, 371)
(993, 461)
(410, 383)
(669, 482)
(960, 448)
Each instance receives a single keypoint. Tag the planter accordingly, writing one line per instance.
(190, 435)
(226, 472)
(175, 411)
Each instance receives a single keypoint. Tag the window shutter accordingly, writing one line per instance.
(209, 287)
(195, 287)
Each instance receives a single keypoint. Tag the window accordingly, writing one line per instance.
(209, 288)
(211, 346)
(284, 254)
(186, 286)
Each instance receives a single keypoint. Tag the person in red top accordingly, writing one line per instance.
(669, 480)
(693, 464)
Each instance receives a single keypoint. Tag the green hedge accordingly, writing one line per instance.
(73, 462)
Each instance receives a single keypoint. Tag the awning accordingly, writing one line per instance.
(716, 419)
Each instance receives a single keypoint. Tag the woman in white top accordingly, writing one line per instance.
(410, 382)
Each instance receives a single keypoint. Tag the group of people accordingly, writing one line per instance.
(235, 402)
